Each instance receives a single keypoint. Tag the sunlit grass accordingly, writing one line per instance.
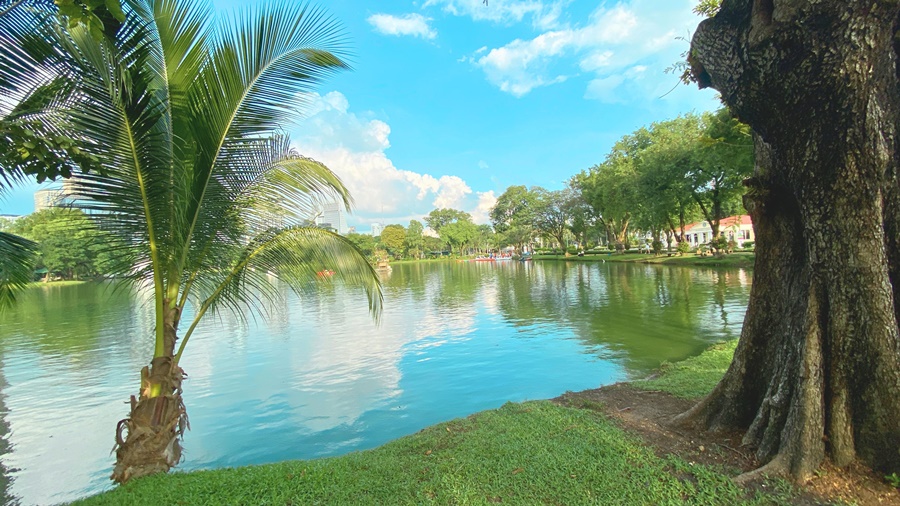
(693, 377)
(737, 259)
(70, 282)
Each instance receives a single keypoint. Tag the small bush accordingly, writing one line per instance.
(683, 247)
(719, 243)
(657, 247)
(748, 244)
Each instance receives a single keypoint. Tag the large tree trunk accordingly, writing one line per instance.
(148, 441)
(817, 370)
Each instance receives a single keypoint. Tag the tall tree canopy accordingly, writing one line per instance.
(414, 239)
(551, 213)
(817, 370)
(437, 219)
(393, 238)
(69, 244)
(513, 215)
(611, 188)
(184, 115)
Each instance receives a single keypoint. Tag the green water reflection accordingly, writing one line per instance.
(317, 377)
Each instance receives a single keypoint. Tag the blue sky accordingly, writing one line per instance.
(450, 101)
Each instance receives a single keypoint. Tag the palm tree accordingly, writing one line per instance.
(202, 191)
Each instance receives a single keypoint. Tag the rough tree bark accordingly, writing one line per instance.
(149, 440)
(817, 371)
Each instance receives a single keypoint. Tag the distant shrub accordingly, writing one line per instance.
(748, 244)
(683, 247)
(657, 247)
(719, 243)
(572, 250)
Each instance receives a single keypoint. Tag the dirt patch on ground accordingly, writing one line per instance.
(648, 414)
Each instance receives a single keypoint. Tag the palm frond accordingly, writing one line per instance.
(296, 255)
(184, 118)
(16, 266)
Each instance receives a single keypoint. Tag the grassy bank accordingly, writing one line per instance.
(42, 284)
(693, 377)
(526, 453)
(737, 259)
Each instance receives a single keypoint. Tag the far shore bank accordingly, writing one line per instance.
(46, 284)
(738, 259)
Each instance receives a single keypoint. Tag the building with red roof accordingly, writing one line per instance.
(738, 228)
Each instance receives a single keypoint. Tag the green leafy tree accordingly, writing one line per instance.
(667, 195)
(414, 239)
(100, 17)
(432, 244)
(611, 188)
(365, 243)
(459, 233)
(551, 213)
(513, 215)
(485, 238)
(437, 219)
(393, 238)
(70, 244)
(184, 114)
(723, 158)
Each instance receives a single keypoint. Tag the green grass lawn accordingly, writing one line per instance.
(693, 377)
(522, 453)
(737, 259)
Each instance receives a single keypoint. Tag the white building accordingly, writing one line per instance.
(737, 228)
(333, 216)
(47, 198)
(377, 228)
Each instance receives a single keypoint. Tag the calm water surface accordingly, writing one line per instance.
(317, 377)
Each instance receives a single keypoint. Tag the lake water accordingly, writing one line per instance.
(317, 377)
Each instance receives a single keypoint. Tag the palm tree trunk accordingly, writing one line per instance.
(149, 440)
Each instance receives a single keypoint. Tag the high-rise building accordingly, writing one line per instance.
(377, 228)
(65, 196)
(334, 217)
(47, 198)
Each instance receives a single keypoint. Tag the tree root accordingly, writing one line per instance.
(778, 466)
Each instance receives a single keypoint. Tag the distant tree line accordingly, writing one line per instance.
(70, 245)
(652, 184)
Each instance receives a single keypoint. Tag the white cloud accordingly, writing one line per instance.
(604, 88)
(354, 147)
(407, 24)
(543, 15)
(612, 45)
(482, 212)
